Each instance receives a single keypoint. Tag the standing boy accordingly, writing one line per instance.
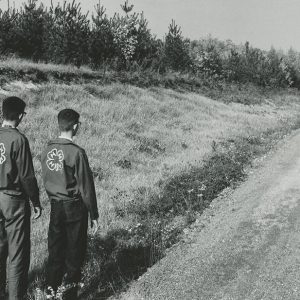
(17, 185)
(70, 187)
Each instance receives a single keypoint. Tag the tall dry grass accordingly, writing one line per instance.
(136, 140)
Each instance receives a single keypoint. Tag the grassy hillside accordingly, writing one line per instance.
(140, 142)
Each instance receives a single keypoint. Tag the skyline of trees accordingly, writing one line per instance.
(63, 34)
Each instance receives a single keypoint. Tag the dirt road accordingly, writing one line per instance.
(246, 246)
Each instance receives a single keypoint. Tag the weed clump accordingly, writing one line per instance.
(147, 145)
(124, 164)
(195, 188)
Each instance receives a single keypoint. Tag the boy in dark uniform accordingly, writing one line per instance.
(17, 185)
(70, 187)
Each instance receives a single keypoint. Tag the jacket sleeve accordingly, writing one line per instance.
(86, 184)
(26, 172)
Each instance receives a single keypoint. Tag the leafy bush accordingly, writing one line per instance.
(208, 57)
(124, 33)
(264, 68)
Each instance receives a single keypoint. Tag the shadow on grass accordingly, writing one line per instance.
(112, 263)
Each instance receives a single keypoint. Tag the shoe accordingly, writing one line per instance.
(50, 293)
(68, 291)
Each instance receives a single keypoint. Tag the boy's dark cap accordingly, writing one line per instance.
(13, 105)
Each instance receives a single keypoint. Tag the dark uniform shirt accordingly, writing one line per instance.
(67, 174)
(17, 176)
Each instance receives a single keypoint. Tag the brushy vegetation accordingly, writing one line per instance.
(159, 156)
(39, 73)
(63, 34)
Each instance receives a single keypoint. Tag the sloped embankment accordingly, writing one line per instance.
(158, 157)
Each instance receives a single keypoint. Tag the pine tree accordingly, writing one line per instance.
(8, 21)
(126, 7)
(30, 30)
(101, 42)
(176, 51)
(146, 45)
(68, 34)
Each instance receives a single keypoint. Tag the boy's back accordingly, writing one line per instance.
(67, 175)
(16, 171)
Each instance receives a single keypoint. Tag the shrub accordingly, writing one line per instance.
(124, 33)
(264, 68)
(209, 62)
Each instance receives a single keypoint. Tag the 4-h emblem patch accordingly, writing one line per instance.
(2, 152)
(55, 160)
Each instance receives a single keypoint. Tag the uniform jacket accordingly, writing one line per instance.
(17, 176)
(67, 174)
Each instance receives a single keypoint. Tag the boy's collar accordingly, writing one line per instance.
(66, 138)
(61, 140)
(6, 124)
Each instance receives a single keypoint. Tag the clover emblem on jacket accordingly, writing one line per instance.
(2, 152)
(55, 160)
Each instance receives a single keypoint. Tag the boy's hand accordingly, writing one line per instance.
(37, 212)
(94, 225)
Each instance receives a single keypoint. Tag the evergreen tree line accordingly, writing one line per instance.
(63, 34)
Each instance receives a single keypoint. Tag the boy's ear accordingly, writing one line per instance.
(75, 127)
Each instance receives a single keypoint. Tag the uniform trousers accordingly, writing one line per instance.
(14, 245)
(67, 241)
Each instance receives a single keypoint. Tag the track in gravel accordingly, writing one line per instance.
(246, 246)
